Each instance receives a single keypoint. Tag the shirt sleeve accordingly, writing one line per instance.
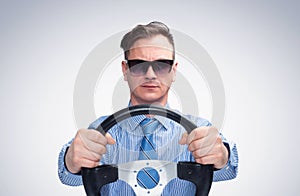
(230, 170)
(64, 175)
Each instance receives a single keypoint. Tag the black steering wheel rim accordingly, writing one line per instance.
(95, 178)
(145, 109)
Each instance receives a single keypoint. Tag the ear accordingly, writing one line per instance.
(174, 69)
(124, 70)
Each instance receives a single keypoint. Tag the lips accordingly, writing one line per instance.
(150, 85)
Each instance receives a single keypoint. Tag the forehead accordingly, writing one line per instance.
(151, 48)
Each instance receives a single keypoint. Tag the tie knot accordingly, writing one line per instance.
(149, 125)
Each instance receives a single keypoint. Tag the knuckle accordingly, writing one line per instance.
(213, 129)
(197, 154)
(192, 146)
(76, 141)
(102, 150)
(96, 157)
(200, 160)
(81, 131)
(94, 164)
(199, 132)
(97, 135)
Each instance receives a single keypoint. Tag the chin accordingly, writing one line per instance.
(142, 97)
(152, 100)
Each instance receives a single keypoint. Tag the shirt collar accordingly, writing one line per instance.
(135, 121)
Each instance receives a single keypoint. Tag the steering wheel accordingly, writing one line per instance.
(199, 174)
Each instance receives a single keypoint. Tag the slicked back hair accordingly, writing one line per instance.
(143, 32)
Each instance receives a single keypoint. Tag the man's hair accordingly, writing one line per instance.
(144, 32)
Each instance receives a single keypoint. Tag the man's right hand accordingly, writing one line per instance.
(86, 149)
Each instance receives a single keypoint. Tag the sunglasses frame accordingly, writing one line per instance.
(169, 62)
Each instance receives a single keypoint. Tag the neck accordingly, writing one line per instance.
(137, 102)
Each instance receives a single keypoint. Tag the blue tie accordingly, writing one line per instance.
(147, 149)
(148, 177)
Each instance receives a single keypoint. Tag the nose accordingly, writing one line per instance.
(150, 74)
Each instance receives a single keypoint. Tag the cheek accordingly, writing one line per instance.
(133, 83)
(166, 82)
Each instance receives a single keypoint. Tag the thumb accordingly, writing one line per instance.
(110, 139)
(183, 139)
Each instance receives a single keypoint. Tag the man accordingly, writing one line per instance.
(149, 69)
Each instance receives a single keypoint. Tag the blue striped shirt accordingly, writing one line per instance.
(128, 136)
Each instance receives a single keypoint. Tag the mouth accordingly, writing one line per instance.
(150, 85)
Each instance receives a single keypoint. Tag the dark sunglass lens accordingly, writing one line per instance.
(135, 70)
(137, 67)
(132, 63)
(162, 66)
(140, 67)
(167, 61)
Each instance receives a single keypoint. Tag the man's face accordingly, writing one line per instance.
(150, 87)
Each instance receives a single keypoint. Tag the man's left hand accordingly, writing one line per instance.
(206, 145)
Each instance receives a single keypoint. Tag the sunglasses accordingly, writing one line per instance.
(140, 67)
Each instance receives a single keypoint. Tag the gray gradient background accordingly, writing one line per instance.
(254, 44)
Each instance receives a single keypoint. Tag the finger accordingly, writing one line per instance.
(197, 133)
(202, 152)
(84, 141)
(210, 159)
(206, 142)
(183, 139)
(202, 132)
(110, 139)
(95, 148)
(218, 155)
(87, 149)
(89, 163)
(78, 156)
(203, 138)
(96, 137)
(207, 148)
(92, 156)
